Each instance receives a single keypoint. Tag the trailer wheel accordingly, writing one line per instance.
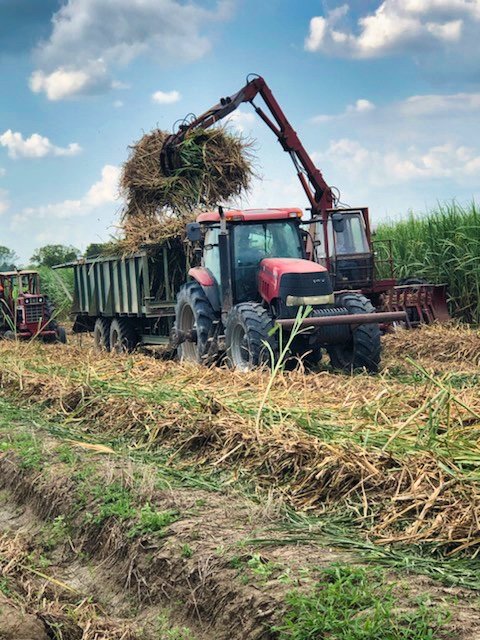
(101, 334)
(195, 316)
(248, 337)
(364, 348)
(61, 335)
(122, 336)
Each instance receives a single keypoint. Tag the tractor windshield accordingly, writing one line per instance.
(254, 242)
(351, 240)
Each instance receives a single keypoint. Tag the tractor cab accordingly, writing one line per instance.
(262, 259)
(25, 311)
(342, 243)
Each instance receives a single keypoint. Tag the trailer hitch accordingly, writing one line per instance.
(178, 337)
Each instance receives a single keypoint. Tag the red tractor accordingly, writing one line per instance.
(251, 289)
(339, 239)
(25, 312)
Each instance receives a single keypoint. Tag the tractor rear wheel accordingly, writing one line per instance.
(122, 337)
(195, 317)
(248, 337)
(101, 334)
(364, 348)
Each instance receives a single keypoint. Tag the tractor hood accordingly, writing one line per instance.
(295, 282)
(279, 266)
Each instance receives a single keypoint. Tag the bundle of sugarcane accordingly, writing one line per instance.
(214, 166)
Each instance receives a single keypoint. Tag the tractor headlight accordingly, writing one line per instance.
(27, 301)
(297, 301)
(40, 300)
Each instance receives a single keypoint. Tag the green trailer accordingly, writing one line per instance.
(129, 300)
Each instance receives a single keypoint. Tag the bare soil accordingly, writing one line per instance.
(196, 576)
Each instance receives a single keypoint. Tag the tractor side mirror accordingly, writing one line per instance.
(194, 232)
(338, 222)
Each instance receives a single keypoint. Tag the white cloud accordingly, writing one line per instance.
(360, 106)
(2, 172)
(397, 165)
(118, 104)
(241, 120)
(440, 104)
(418, 106)
(36, 146)
(101, 193)
(166, 97)
(4, 203)
(65, 82)
(397, 26)
(105, 190)
(89, 37)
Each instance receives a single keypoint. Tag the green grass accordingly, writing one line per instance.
(340, 530)
(442, 246)
(26, 446)
(152, 521)
(55, 285)
(5, 587)
(356, 603)
(115, 501)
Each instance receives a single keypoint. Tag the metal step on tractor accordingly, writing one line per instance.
(25, 312)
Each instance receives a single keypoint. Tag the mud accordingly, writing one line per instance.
(17, 625)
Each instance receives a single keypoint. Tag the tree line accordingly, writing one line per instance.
(49, 255)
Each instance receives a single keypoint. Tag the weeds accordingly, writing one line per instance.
(152, 521)
(355, 603)
(186, 551)
(115, 501)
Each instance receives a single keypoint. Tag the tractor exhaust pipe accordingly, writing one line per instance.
(352, 319)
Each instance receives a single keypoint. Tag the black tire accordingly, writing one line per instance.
(101, 334)
(123, 338)
(50, 314)
(9, 335)
(247, 334)
(61, 335)
(363, 350)
(194, 313)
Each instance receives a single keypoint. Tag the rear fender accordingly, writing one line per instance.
(207, 281)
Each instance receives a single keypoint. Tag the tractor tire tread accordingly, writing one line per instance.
(366, 352)
(259, 324)
(103, 325)
(192, 293)
(127, 334)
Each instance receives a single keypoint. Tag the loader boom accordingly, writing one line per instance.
(317, 190)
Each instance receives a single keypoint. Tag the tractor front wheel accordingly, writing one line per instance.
(122, 337)
(101, 334)
(194, 318)
(364, 348)
(248, 337)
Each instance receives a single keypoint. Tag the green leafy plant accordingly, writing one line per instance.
(356, 603)
(152, 521)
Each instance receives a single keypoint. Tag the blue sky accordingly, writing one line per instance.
(385, 95)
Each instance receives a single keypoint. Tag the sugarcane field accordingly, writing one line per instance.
(240, 320)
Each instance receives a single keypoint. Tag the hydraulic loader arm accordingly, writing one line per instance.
(317, 190)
